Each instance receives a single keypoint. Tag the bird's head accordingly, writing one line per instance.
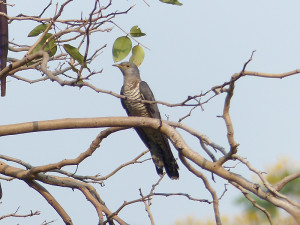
(129, 70)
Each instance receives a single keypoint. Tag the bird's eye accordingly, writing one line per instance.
(127, 66)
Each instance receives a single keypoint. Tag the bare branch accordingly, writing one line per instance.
(20, 162)
(208, 187)
(204, 140)
(286, 180)
(51, 200)
(264, 180)
(19, 215)
(45, 9)
(147, 207)
(271, 75)
(226, 115)
(181, 194)
(254, 203)
(133, 161)
(95, 144)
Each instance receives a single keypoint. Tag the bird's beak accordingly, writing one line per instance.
(117, 65)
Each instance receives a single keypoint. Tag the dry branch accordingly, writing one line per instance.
(208, 187)
(168, 130)
(19, 215)
(51, 200)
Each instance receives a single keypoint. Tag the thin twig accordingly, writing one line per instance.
(208, 187)
(254, 203)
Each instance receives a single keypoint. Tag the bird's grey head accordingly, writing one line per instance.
(129, 70)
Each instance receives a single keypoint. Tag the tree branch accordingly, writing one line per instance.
(51, 200)
(287, 179)
(208, 187)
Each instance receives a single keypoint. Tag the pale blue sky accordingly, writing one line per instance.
(193, 47)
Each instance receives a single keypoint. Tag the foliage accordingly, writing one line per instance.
(135, 31)
(252, 215)
(138, 55)
(173, 2)
(274, 174)
(38, 30)
(123, 45)
(49, 45)
(121, 48)
(65, 57)
(75, 54)
(236, 220)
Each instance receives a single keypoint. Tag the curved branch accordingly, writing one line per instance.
(166, 129)
(208, 187)
(95, 144)
(286, 180)
(264, 180)
(22, 62)
(254, 203)
(124, 165)
(88, 190)
(51, 200)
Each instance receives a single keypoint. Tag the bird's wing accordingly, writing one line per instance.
(148, 95)
(159, 148)
(144, 137)
(162, 142)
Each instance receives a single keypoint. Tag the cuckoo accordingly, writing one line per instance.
(135, 90)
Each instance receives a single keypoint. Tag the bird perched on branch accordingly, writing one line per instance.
(136, 89)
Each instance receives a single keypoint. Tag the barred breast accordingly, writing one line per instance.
(135, 108)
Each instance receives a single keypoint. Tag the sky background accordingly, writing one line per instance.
(193, 48)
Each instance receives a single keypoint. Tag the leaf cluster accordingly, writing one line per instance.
(48, 41)
(123, 45)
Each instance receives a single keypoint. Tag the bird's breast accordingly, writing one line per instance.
(134, 107)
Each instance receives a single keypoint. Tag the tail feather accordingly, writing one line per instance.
(159, 170)
(172, 169)
(169, 160)
(160, 151)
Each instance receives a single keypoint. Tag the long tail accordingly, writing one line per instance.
(169, 160)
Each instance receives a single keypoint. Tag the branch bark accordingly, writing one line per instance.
(169, 131)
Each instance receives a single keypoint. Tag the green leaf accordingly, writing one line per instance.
(50, 47)
(121, 48)
(52, 50)
(38, 30)
(173, 2)
(74, 69)
(135, 31)
(138, 55)
(74, 53)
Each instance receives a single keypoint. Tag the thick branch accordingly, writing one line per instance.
(271, 75)
(51, 200)
(75, 123)
(169, 131)
(22, 62)
(286, 180)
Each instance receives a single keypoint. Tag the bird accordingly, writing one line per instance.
(136, 89)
